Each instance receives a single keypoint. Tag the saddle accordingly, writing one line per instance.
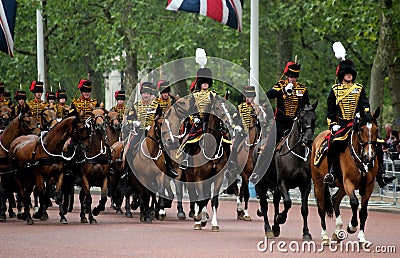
(322, 150)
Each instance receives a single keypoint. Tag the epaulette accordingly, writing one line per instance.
(335, 85)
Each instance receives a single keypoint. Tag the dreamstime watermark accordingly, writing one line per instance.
(342, 246)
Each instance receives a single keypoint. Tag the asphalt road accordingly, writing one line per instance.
(117, 236)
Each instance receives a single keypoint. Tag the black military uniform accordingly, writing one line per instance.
(345, 100)
(83, 105)
(290, 97)
(36, 105)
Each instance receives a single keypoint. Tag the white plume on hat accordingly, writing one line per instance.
(340, 52)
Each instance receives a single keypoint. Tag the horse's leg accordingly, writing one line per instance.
(11, 203)
(103, 198)
(350, 190)
(276, 200)
(287, 203)
(128, 212)
(214, 222)
(264, 210)
(179, 194)
(364, 214)
(58, 198)
(83, 196)
(2, 203)
(25, 191)
(319, 192)
(35, 198)
(145, 201)
(41, 196)
(305, 191)
(336, 200)
(246, 196)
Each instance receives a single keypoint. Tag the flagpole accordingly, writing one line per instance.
(254, 47)
(40, 48)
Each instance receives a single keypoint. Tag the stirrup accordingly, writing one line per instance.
(184, 164)
(329, 179)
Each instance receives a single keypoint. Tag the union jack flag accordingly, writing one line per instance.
(8, 9)
(227, 12)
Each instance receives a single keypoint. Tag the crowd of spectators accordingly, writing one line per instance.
(391, 146)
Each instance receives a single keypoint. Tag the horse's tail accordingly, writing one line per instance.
(328, 207)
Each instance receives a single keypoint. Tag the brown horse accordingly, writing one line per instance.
(359, 167)
(208, 156)
(21, 125)
(246, 149)
(39, 159)
(114, 125)
(5, 116)
(94, 165)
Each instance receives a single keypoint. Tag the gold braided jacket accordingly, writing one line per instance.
(202, 100)
(120, 110)
(246, 112)
(162, 103)
(62, 110)
(145, 113)
(4, 102)
(36, 108)
(84, 105)
(291, 102)
(347, 96)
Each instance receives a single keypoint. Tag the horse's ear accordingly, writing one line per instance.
(377, 113)
(314, 106)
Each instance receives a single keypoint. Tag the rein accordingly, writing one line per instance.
(362, 167)
(290, 149)
(51, 154)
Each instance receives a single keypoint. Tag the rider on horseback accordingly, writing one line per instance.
(290, 96)
(62, 108)
(36, 105)
(120, 107)
(344, 101)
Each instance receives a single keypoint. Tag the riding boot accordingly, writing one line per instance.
(170, 171)
(185, 162)
(330, 178)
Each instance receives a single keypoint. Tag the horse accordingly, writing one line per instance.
(359, 167)
(146, 169)
(20, 125)
(94, 165)
(210, 155)
(114, 127)
(40, 159)
(5, 116)
(289, 169)
(246, 148)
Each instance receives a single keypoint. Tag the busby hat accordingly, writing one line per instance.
(1, 87)
(50, 95)
(85, 85)
(345, 67)
(163, 86)
(204, 75)
(61, 94)
(20, 94)
(119, 95)
(249, 91)
(36, 87)
(292, 69)
(147, 87)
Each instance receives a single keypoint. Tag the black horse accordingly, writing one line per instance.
(290, 169)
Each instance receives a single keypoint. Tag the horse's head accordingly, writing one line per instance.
(114, 120)
(306, 123)
(80, 131)
(26, 123)
(366, 129)
(158, 122)
(49, 118)
(5, 116)
(98, 116)
(219, 109)
(175, 115)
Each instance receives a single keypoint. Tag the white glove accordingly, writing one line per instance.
(196, 120)
(135, 123)
(289, 88)
(335, 128)
(148, 128)
(238, 129)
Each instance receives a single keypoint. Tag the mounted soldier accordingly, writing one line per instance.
(146, 108)
(290, 96)
(21, 107)
(51, 98)
(36, 105)
(166, 99)
(120, 107)
(84, 105)
(61, 107)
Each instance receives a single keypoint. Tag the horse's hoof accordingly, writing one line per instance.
(44, 216)
(29, 221)
(325, 241)
(128, 215)
(84, 220)
(93, 221)
(247, 218)
(259, 213)
(351, 231)
(63, 221)
(276, 229)
(240, 215)
(215, 229)
(181, 215)
(307, 237)
(119, 212)
(11, 215)
(96, 211)
(148, 220)
(197, 227)
(160, 217)
(269, 235)
(191, 214)
(280, 218)
(203, 223)
(36, 215)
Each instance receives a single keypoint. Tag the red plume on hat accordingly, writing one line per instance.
(85, 85)
(36, 87)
